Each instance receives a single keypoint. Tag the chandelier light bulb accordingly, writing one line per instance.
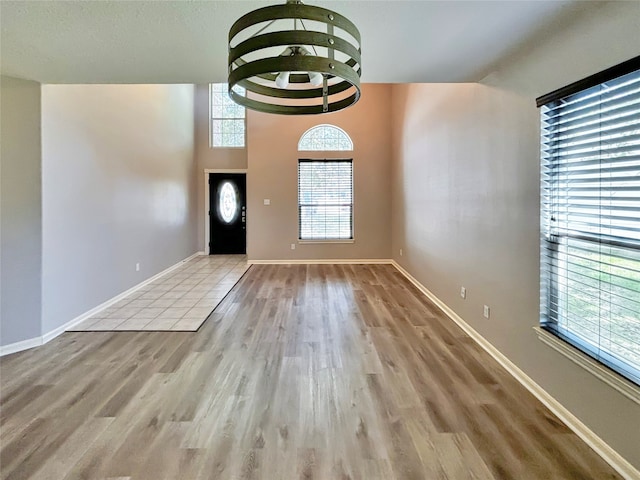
(316, 79)
(282, 80)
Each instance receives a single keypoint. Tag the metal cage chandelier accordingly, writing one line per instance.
(313, 68)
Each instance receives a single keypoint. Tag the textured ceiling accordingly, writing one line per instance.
(185, 41)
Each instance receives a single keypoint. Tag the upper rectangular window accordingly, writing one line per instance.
(228, 125)
(325, 199)
(590, 216)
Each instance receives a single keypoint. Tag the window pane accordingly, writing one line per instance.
(217, 110)
(590, 250)
(325, 137)
(227, 118)
(325, 199)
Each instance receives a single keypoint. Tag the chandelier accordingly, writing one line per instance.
(311, 68)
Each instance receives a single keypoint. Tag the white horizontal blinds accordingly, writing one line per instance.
(325, 199)
(590, 255)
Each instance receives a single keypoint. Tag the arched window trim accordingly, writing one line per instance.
(323, 125)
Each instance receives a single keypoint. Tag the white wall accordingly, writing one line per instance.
(21, 211)
(466, 202)
(118, 189)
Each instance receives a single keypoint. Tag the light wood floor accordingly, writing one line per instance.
(303, 372)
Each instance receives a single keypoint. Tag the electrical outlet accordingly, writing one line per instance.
(486, 311)
(463, 292)
(293, 246)
(267, 201)
(400, 252)
(137, 267)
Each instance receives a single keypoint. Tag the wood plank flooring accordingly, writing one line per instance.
(302, 372)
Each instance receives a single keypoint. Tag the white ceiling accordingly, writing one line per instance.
(186, 41)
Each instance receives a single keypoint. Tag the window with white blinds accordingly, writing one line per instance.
(590, 216)
(325, 199)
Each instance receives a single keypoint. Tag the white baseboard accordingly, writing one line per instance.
(47, 337)
(315, 261)
(19, 346)
(613, 458)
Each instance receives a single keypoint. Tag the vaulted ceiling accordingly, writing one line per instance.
(186, 41)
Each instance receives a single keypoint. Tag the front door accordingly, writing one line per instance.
(227, 213)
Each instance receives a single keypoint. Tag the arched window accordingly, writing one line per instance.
(325, 137)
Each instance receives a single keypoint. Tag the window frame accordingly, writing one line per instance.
(603, 363)
(213, 119)
(319, 127)
(352, 205)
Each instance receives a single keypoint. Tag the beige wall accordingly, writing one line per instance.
(118, 189)
(21, 211)
(466, 203)
(210, 158)
(273, 174)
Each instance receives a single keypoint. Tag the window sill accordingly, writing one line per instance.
(625, 387)
(311, 242)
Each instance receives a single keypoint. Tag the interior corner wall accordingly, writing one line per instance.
(273, 174)
(118, 189)
(208, 157)
(466, 203)
(21, 211)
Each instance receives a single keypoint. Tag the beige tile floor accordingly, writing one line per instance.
(181, 300)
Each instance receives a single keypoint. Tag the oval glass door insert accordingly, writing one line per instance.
(228, 202)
